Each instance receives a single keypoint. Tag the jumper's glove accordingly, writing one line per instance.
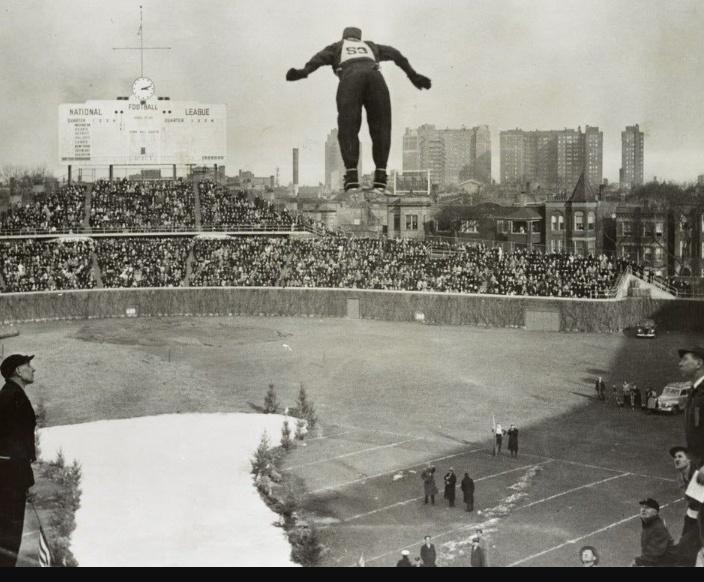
(296, 74)
(420, 81)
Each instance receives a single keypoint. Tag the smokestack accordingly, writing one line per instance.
(295, 171)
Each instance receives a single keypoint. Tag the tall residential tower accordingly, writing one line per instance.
(632, 156)
(450, 155)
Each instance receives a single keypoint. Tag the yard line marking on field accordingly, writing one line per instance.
(587, 466)
(369, 450)
(473, 525)
(366, 478)
(330, 436)
(399, 434)
(592, 484)
(407, 501)
(585, 536)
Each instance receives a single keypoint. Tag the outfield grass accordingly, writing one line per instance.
(397, 396)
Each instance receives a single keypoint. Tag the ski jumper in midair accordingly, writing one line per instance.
(356, 63)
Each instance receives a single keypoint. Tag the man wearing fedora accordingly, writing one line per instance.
(356, 63)
(689, 543)
(17, 452)
(692, 368)
(655, 541)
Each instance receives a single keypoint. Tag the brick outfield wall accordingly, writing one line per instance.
(580, 315)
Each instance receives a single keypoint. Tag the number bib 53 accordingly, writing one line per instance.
(355, 49)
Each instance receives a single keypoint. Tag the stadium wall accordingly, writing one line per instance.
(575, 315)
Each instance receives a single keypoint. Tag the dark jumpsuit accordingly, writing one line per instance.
(362, 85)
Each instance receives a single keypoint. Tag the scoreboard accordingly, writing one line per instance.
(134, 132)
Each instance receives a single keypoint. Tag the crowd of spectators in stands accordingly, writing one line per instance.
(147, 206)
(61, 211)
(135, 206)
(408, 265)
(332, 262)
(222, 209)
(143, 261)
(40, 265)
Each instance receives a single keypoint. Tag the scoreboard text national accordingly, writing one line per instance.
(123, 132)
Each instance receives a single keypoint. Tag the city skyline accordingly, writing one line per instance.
(504, 64)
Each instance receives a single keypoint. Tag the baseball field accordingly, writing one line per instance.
(392, 398)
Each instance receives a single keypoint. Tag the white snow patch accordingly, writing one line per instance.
(492, 516)
(172, 490)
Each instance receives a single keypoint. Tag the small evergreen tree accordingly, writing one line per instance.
(288, 505)
(262, 456)
(286, 442)
(271, 404)
(60, 461)
(41, 423)
(305, 545)
(300, 425)
(306, 409)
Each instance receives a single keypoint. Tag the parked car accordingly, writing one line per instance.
(646, 328)
(673, 398)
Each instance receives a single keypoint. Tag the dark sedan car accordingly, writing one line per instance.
(646, 328)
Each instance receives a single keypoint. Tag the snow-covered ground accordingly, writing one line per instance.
(172, 490)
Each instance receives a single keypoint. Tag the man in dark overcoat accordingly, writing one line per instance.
(467, 487)
(450, 484)
(17, 452)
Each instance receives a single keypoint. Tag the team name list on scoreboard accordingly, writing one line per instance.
(131, 132)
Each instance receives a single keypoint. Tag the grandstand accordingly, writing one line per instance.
(124, 227)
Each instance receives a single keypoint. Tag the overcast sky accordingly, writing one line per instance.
(532, 64)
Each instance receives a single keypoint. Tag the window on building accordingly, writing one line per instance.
(537, 227)
(658, 255)
(590, 221)
(684, 249)
(659, 229)
(471, 226)
(626, 228)
(411, 222)
(500, 226)
(648, 255)
(561, 223)
(518, 227)
(579, 221)
(553, 223)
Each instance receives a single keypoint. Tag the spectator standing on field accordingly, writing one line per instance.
(430, 488)
(513, 440)
(450, 484)
(467, 487)
(499, 438)
(478, 556)
(689, 543)
(404, 562)
(428, 554)
(655, 541)
(17, 453)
